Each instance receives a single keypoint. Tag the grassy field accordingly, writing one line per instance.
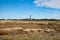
(29, 30)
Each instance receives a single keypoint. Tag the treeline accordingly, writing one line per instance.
(34, 19)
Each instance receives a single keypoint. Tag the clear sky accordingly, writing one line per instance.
(17, 9)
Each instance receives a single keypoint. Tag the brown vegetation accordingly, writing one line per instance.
(34, 29)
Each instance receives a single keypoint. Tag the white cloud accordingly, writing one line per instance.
(48, 3)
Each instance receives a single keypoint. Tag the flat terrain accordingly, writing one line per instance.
(29, 30)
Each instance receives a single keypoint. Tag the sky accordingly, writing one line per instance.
(39, 9)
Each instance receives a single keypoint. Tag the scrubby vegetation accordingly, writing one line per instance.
(29, 30)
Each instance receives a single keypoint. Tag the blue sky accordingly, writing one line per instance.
(19, 9)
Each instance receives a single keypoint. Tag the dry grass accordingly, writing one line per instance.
(29, 30)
